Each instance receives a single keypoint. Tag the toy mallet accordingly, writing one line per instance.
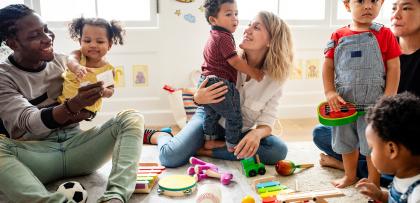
(286, 167)
(225, 178)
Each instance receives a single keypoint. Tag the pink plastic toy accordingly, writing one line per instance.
(202, 170)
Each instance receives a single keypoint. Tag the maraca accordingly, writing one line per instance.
(286, 167)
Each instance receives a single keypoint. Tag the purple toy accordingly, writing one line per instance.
(201, 170)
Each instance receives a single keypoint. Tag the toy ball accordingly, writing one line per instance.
(285, 167)
(209, 193)
(248, 199)
(73, 191)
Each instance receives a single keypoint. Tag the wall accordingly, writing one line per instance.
(174, 49)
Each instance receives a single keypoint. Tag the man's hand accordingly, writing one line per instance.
(86, 96)
(83, 115)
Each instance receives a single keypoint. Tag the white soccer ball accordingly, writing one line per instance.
(73, 191)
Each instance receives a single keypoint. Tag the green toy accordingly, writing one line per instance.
(252, 166)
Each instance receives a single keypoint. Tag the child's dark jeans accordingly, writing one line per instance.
(229, 108)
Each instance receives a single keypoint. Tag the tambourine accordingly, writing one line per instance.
(177, 185)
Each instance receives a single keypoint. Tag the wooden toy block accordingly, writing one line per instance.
(316, 196)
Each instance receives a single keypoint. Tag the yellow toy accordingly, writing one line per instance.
(248, 199)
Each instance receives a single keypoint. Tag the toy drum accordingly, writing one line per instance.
(177, 185)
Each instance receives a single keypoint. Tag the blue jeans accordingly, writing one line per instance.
(322, 137)
(229, 108)
(176, 151)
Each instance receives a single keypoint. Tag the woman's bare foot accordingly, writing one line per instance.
(344, 181)
(329, 161)
(212, 144)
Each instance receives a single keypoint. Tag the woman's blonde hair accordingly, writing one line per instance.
(279, 58)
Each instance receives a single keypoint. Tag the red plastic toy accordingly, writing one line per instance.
(286, 167)
(168, 88)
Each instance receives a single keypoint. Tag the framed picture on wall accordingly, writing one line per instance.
(313, 68)
(140, 75)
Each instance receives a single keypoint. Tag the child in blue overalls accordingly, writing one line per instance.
(361, 64)
(393, 135)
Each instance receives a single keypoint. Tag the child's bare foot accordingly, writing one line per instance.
(212, 144)
(329, 161)
(344, 181)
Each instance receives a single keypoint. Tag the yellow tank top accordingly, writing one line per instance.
(71, 84)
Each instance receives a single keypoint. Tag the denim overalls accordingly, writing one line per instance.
(359, 79)
(397, 197)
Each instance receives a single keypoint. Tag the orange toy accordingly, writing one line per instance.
(286, 167)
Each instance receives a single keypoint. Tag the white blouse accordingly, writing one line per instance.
(259, 101)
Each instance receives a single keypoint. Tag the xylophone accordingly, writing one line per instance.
(147, 176)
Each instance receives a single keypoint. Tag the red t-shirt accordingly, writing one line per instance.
(387, 42)
(219, 48)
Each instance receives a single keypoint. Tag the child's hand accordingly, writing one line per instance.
(370, 189)
(334, 100)
(81, 71)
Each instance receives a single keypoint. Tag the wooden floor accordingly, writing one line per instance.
(298, 135)
(295, 130)
(290, 130)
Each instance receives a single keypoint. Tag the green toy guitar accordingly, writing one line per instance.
(348, 113)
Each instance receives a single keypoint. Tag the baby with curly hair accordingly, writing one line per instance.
(96, 37)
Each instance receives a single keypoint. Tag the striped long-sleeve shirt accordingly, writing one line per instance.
(27, 97)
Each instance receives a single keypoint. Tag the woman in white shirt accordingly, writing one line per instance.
(266, 44)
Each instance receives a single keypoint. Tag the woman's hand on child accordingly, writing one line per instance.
(370, 189)
(334, 100)
(211, 94)
(248, 146)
